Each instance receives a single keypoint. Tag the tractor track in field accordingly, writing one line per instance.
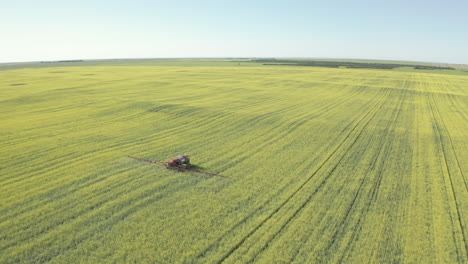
(323, 108)
(450, 137)
(368, 116)
(361, 184)
(443, 148)
(373, 193)
(292, 259)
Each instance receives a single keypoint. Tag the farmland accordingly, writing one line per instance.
(326, 165)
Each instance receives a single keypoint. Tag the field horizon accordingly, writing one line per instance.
(182, 61)
(326, 165)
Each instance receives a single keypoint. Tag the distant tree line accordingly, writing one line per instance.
(336, 64)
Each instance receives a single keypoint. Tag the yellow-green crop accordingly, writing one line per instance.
(326, 165)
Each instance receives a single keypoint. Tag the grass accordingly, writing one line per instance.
(326, 165)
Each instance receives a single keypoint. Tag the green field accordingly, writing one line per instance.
(326, 165)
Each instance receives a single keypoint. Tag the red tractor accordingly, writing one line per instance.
(180, 161)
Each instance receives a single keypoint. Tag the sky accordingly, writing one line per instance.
(412, 30)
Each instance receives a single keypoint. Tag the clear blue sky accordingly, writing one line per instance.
(417, 30)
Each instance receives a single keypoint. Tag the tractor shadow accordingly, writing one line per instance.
(183, 168)
(197, 167)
